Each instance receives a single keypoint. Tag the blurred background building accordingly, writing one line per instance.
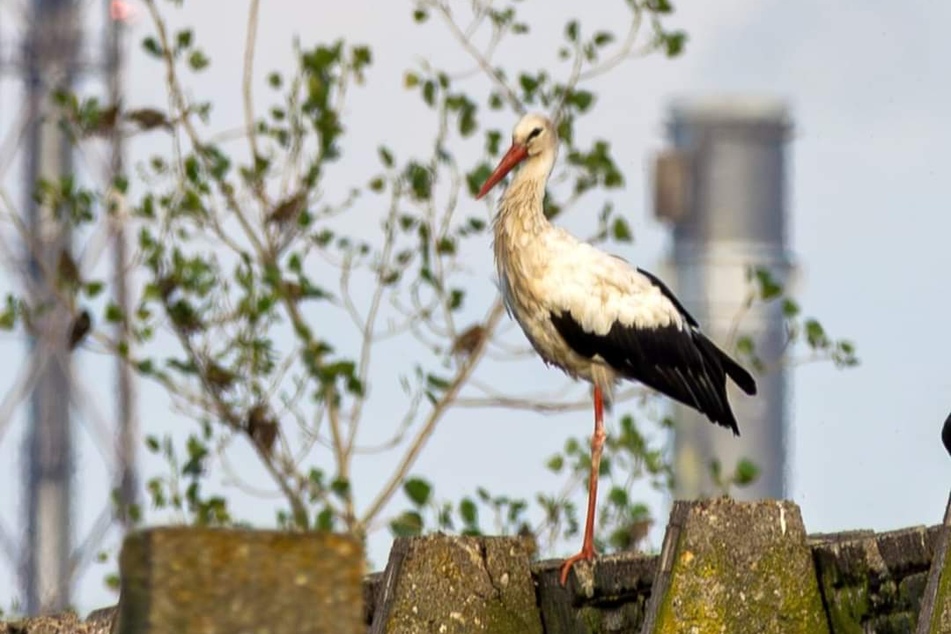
(722, 189)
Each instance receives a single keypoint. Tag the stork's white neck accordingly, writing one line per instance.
(520, 222)
(522, 201)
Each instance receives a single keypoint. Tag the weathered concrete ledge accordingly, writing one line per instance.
(177, 580)
(855, 581)
(456, 585)
(726, 566)
(875, 581)
(734, 567)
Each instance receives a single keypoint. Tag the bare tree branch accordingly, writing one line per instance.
(438, 410)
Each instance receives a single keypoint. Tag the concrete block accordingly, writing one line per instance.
(735, 567)
(205, 581)
(456, 585)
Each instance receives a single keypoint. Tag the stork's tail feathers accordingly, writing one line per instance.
(743, 379)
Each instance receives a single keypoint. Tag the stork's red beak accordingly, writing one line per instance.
(513, 157)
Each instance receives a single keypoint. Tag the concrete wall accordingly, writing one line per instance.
(725, 566)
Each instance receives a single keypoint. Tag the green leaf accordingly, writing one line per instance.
(197, 452)
(469, 512)
(8, 318)
(420, 16)
(581, 99)
(556, 463)
(198, 61)
(418, 491)
(618, 497)
(340, 487)
(529, 85)
(113, 313)
(673, 43)
(420, 181)
(815, 334)
(152, 47)
(437, 382)
(467, 122)
(790, 308)
(571, 31)
(325, 520)
(446, 246)
(844, 354)
(477, 177)
(361, 56)
(744, 345)
(769, 288)
(746, 472)
(407, 524)
(493, 140)
(621, 230)
(93, 289)
(183, 39)
(660, 6)
(455, 298)
(429, 92)
(573, 447)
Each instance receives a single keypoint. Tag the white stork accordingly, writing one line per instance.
(593, 315)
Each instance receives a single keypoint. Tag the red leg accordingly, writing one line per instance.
(597, 443)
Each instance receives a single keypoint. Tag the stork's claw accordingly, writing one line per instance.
(586, 554)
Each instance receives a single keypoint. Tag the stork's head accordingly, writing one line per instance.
(534, 141)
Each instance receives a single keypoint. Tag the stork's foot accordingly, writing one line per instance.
(587, 554)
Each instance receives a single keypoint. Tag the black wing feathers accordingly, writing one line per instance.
(743, 379)
(681, 363)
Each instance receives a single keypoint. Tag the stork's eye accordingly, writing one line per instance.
(534, 133)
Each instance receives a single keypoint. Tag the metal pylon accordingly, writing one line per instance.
(55, 45)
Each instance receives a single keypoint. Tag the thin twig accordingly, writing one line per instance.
(247, 91)
(369, 324)
(624, 51)
(435, 415)
(177, 96)
(484, 63)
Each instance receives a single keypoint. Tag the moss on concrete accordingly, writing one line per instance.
(873, 583)
(742, 567)
(941, 619)
(846, 598)
(196, 580)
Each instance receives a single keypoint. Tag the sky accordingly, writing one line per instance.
(867, 161)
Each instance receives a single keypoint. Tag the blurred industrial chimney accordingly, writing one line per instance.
(722, 188)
